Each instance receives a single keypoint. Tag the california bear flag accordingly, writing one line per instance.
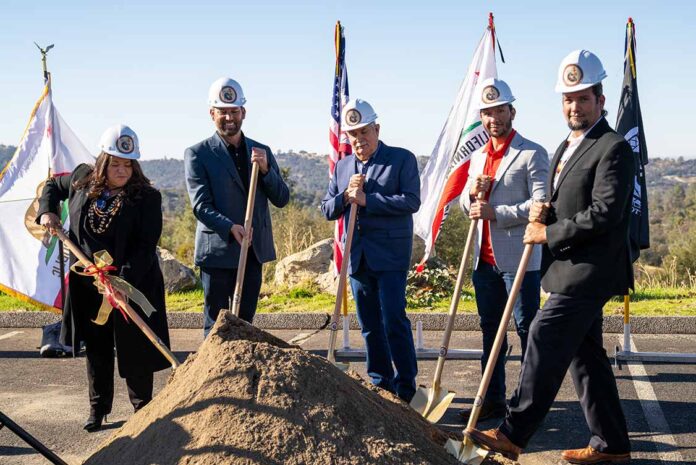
(29, 258)
(445, 174)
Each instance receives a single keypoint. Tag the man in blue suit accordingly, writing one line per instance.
(218, 173)
(383, 181)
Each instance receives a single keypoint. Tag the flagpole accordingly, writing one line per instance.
(61, 249)
(627, 298)
(44, 52)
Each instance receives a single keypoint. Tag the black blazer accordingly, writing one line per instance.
(139, 225)
(587, 253)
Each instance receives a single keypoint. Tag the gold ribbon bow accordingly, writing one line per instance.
(106, 284)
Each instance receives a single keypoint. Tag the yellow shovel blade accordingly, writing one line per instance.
(420, 400)
(466, 451)
(440, 406)
(432, 404)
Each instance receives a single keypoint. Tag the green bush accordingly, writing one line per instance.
(178, 234)
(450, 244)
(300, 292)
(434, 284)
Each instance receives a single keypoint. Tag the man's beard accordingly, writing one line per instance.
(230, 131)
(578, 125)
(502, 129)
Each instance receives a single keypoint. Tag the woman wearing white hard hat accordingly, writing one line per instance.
(112, 207)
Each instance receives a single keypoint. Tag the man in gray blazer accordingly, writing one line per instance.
(511, 171)
(218, 172)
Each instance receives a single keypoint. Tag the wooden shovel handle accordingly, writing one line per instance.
(248, 220)
(500, 335)
(342, 278)
(132, 314)
(444, 346)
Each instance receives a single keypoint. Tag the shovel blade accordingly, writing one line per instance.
(431, 403)
(343, 366)
(440, 406)
(466, 452)
(420, 400)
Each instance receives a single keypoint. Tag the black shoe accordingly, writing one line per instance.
(94, 422)
(488, 411)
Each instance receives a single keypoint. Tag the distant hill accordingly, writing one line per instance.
(309, 174)
(6, 152)
(667, 172)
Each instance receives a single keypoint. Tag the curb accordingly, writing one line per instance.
(431, 322)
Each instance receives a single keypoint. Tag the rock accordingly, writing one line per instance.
(328, 282)
(315, 264)
(177, 276)
(307, 265)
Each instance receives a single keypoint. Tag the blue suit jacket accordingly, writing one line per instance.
(218, 198)
(392, 191)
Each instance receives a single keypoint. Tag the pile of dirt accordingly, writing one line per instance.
(249, 398)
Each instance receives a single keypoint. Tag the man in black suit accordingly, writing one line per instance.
(585, 261)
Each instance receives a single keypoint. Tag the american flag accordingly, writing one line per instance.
(340, 147)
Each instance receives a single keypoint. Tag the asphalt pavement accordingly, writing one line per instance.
(48, 397)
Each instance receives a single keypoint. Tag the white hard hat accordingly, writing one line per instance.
(120, 141)
(494, 92)
(356, 114)
(579, 70)
(226, 93)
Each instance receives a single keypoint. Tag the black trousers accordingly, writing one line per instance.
(218, 291)
(567, 333)
(100, 374)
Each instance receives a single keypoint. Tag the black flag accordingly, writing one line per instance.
(629, 123)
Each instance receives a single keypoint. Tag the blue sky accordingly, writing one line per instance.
(149, 63)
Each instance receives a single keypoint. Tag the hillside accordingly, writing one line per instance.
(308, 173)
(6, 152)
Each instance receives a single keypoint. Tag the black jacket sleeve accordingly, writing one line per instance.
(57, 189)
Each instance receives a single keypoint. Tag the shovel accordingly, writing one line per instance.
(342, 278)
(467, 451)
(132, 314)
(237, 298)
(433, 403)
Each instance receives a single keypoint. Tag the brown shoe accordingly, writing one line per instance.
(495, 441)
(590, 455)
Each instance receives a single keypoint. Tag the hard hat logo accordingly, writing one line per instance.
(490, 94)
(353, 117)
(572, 75)
(228, 95)
(125, 144)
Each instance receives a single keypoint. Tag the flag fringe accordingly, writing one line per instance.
(26, 129)
(26, 298)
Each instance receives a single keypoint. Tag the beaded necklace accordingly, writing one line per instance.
(101, 212)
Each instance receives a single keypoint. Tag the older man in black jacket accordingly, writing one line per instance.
(585, 261)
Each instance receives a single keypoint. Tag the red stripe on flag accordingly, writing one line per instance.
(453, 188)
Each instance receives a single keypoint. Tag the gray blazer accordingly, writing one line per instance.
(219, 199)
(521, 177)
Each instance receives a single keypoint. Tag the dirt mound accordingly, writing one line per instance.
(249, 398)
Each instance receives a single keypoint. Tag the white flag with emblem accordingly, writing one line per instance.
(445, 174)
(30, 265)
